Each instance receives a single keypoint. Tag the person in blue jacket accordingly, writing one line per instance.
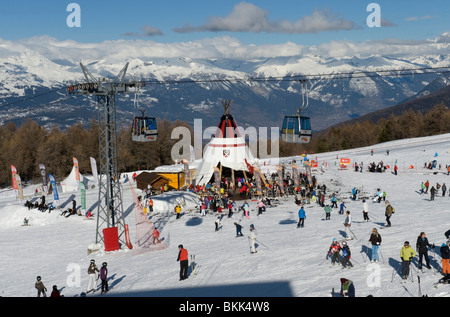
(301, 216)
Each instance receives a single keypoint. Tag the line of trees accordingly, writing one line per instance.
(28, 145)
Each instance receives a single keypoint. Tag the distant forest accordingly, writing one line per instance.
(28, 145)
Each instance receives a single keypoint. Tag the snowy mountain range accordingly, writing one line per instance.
(35, 73)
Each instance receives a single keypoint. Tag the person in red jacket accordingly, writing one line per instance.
(183, 259)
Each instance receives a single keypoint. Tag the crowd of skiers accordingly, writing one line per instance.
(94, 274)
(424, 187)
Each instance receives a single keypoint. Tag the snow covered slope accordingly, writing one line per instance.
(289, 261)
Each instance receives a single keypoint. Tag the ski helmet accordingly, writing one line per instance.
(104, 264)
(38, 278)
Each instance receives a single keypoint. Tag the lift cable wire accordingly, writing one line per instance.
(331, 76)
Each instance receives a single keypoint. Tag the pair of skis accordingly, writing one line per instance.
(194, 266)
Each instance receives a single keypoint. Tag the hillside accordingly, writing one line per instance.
(290, 261)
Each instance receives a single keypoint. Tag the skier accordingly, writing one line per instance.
(445, 254)
(341, 208)
(178, 210)
(55, 292)
(246, 208)
(39, 285)
(252, 238)
(347, 288)
(104, 277)
(155, 235)
(365, 210)
(406, 254)
(238, 230)
(422, 188)
(432, 192)
(183, 259)
(261, 207)
(444, 189)
(421, 247)
(375, 240)
(91, 273)
(327, 209)
(334, 201)
(301, 216)
(346, 254)
(388, 213)
(334, 250)
(347, 224)
(217, 223)
(427, 184)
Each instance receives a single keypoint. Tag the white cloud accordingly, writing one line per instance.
(247, 17)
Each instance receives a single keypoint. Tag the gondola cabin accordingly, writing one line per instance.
(144, 129)
(296, 129)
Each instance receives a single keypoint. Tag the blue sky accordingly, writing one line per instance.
(252, 22)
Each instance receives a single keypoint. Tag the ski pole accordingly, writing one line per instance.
(262, 244)
(379, 248)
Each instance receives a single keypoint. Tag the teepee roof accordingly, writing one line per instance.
(227, 147)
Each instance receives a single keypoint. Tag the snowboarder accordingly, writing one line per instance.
(421, 247)
(347, 224)
(104, 277)
(92, 276)
(252, 239)
(183, 259)
(445, 254)
(388, 213)
(39, 285)
(238, 230)
(346, 254)
(375, 240)
(301, 217)
(406, 254)
(365, 210)
(347, 288)
(334, 250)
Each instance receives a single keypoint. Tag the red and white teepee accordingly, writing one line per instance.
(226, 147)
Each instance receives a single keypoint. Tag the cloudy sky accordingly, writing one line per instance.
(268, 27)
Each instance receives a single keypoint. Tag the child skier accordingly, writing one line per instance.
(341, 208)
(346, 253)
(39, 285)
(327, 209)
(334, 250)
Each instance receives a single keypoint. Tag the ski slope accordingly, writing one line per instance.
(290, 261)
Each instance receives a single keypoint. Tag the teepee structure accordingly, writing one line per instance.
(227, 148)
